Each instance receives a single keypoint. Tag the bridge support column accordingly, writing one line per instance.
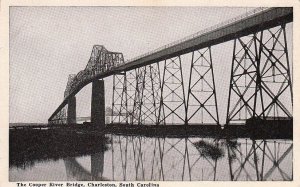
(119, 99)
(149, 95)
(261, 84)
(202, 100)
(98, 103)
(71, 114)
(172, 99)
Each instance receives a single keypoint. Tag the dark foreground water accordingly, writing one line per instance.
(162, 159)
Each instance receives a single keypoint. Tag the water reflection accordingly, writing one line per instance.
(131, 158)
(261, 160)
(33, 147)
(75, 171)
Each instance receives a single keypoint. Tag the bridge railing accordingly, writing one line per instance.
(207, 30)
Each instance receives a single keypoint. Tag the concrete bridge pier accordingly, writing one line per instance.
(71, 113)
(98, 103)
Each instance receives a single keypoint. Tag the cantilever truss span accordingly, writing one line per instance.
(101, 60)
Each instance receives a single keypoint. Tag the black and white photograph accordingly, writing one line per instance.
(143, 94)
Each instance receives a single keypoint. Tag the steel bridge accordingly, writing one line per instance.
(144, 92)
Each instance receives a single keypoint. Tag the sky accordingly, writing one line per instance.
(49, 43)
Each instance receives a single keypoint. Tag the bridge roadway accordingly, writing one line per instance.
(238, 27)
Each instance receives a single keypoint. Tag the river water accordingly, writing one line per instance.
(132, 158)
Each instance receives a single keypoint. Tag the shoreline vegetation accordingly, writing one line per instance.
(26, 124)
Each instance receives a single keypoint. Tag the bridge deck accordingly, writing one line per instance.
(232, 29)
(226, 31)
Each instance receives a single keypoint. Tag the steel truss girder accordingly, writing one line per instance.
(136, 96)
(124, 91)
(146, 99)
(201, 99)
(172, 99)
(150, 95)
(119, 100)
(130, 92)
(260, 83)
